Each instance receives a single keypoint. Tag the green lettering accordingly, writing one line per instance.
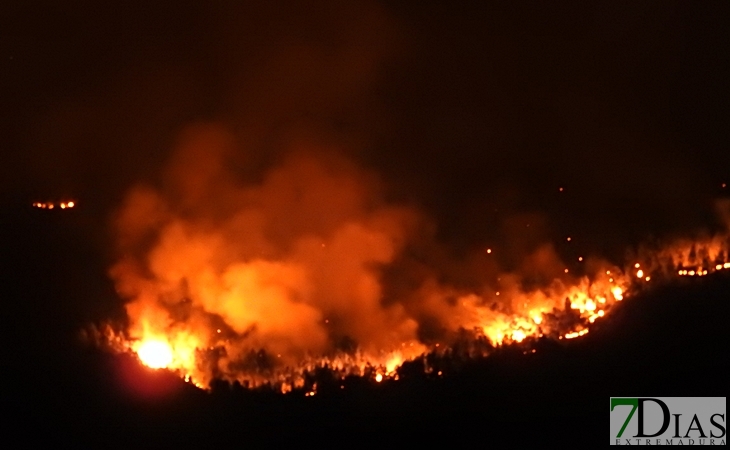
(628, 402)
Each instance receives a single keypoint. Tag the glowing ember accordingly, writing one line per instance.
(52, 205)
(617, 293)
(576, 334)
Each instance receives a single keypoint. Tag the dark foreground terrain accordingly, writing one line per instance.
(668, 342)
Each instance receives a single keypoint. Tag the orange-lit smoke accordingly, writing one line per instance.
(289, 265)
(258, 280)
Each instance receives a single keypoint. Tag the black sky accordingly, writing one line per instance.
(476, 112)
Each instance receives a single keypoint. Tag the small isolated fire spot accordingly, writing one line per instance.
(52, 205)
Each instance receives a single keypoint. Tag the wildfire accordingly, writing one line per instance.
(186, 351)
(52, 205)
(590, 300)
(266, 283)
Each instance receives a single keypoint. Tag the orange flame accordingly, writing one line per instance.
(262, 283)
(155, 354)
(51, 205)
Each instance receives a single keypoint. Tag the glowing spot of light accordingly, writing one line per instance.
(155, 354)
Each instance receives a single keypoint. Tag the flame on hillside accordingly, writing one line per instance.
(54, 205)
(263, 282)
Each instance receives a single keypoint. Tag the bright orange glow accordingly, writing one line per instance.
(576, 334)
(51, 205)
(283, 275)
(155, 354)
(617, 293)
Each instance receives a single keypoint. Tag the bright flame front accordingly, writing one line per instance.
(156, 354)
(263, 282)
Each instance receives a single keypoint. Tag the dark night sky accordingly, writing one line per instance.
(476, 113)
(462, 109)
